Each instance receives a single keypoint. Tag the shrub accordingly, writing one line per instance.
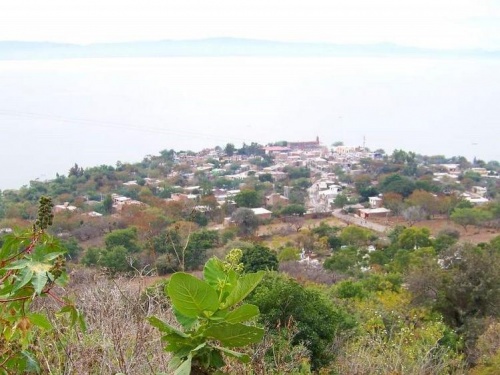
(259, 258)
(211, 316)
(282, 300)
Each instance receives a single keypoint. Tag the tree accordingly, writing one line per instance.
(414, 214)
(245, 220)
(340, 201)
(73, 248)
(259, 258)
(289, 254)
(445, 239)
(464, 288)
(394, 202)
(248, 198)
(343, 260)
(117, 259)
(469, 216)
(414, 238)
(185, 248)
(293, 209)
(283, 302)
(107, 204)
(423, 199)
(397, 184)
(355, 236)
(229, 149)
(123, 237)
(297, 172)
(75, 171)
(266, 177)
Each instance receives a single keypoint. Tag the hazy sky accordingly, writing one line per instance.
(423, 23)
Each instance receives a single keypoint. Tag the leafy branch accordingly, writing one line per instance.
(212, 317)
(31, 264)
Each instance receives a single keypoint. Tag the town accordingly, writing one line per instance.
(354, 243)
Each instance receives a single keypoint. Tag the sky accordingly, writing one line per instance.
(440, 24)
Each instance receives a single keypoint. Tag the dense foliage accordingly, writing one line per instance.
(211, 316)
(32, 265)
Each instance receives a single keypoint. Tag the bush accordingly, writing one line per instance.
(289, 254)
(166, 264)
(117, 259)
(259, 258)
(283, 301)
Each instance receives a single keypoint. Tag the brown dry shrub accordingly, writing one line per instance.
(309, 272)
(118, 338)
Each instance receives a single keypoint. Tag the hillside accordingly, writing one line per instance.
(218, 47)
(338, 293)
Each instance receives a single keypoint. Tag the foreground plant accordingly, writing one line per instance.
(31, 265)
(211, 316)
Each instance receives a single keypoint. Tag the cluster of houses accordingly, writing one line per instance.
(320, 159)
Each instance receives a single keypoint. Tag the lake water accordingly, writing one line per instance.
(99, 111)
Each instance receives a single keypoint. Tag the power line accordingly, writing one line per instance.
(118, 125)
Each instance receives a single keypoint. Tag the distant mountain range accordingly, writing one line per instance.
(217, 47)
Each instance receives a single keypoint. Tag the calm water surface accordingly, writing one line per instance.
(99, 111)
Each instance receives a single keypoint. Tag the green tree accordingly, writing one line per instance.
(397, 184)
(123, 237)
(297, 172)
(464, 288)
(293, 209)
(324, 230)
(259, 258)
(229, 149)
(73, 248)
(246, 221)
(266, 177)
(344, 260)
(75, 171)
(248, 199)
(355, 236)
(469, 216)
(414, 238)
(91, 257)
(283, 301)
(107, 204)
(117, 259)
(289, 254)
(183, 249)
(445, 239)
(340, 201)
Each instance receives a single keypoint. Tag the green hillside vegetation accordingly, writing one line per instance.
(330, 297)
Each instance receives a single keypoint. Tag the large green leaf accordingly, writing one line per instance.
(18, 264)
(164, 327)
(13, 243)
(39, 279)
(40, 321)
(243, 288)
(185, 367)
(181, 346)
(245, 358)
(191, 296)
(235, 335)
(242, 313)
(24, 278)
(213, 272)
(186, 321)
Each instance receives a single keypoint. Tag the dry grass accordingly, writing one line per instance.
(118, 339)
